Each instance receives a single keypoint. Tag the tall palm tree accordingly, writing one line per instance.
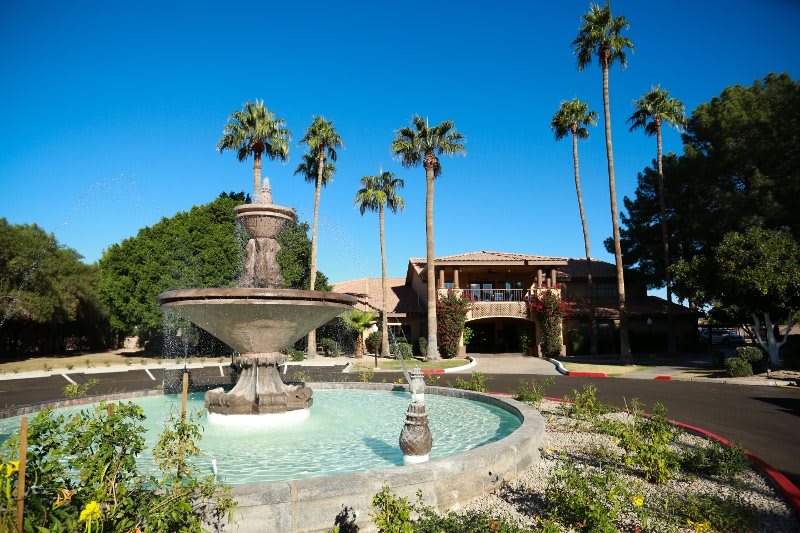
(650, 111)
(376, 194)
(322, 141)
(600, 34)
(255, 130)
(421, 144)
(573, 117)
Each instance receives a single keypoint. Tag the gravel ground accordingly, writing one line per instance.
(523, 500)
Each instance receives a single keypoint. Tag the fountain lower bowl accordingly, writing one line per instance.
(254, 320)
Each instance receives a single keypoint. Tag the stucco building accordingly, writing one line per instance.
(499, 285)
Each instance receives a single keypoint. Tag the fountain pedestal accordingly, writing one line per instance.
(259, 389)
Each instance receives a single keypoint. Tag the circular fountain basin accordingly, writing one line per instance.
(298, 477)
(264, 221)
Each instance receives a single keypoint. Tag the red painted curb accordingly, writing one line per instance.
(586, 374)
(663, 378)
(789, 490)
(433, 371)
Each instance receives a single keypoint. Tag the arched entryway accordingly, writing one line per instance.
(501, 334)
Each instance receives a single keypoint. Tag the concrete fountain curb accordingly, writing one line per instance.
(311, 505)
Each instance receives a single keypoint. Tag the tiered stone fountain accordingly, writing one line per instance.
(259, 318)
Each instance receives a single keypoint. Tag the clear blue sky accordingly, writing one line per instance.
(111, 111)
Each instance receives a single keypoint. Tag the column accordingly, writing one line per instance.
(441, 278)
(455, 279)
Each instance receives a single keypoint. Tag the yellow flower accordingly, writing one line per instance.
(12, 468)
(699, 526)
(638, 501)
(91, 512)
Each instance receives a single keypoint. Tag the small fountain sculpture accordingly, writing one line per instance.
(415, 438)
(259, 318)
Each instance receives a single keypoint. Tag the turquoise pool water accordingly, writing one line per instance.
(347, 431)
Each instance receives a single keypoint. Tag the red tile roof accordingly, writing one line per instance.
(401, 298)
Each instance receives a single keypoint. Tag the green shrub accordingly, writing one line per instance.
(704, 512)
(584, 405)
(332, 348)
(533, 390)
(577, 342)
(79, 391)
(752, 354)
(422, 344)
(91, 456)
(476, 383)
(588, 499)
(403, 349)
(373, 342)
(647, 441)
(716, 460)
(736, 367)
(294, 354)
(451, 314)
(392, 514)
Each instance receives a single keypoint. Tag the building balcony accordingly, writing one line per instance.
(488, 303)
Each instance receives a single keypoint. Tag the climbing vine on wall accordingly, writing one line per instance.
(451, 315)
(550, 308)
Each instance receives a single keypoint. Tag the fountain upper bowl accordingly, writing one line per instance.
(264, 221)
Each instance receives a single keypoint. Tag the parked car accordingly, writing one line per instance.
(733, 339)
(714, 336)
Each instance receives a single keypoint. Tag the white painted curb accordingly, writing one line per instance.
(561, 370)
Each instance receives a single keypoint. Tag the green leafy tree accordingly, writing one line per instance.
(295, 257)
(198, 248)
(573, 117)
(376, 194)
(650, 112)
(255, 130)
(600, 35)
(740, 168)
(358, 321)
(755, 273)
(322, 141)
(421, 145)
(47, 295)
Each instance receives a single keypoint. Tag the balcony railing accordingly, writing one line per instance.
(496, 302)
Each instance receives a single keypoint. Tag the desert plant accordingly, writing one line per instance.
(476, 383)
(70, 366)
(533, 390)
(367, 375)
(87, 476)
(647, 443)
(584, 404)
(716, 460)
(74, 390)
(737, 367)
(588, 499)
(46, 367)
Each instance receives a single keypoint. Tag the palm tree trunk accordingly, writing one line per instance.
(593, 337)
(384, 291)
(625, 349)
(671, 345)
(256, 174)
(433, 347)
(311, 351)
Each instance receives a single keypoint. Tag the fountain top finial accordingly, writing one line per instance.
(264, 193)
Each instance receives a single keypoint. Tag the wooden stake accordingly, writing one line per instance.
(23, 449)
(184, 400)
(111, 408)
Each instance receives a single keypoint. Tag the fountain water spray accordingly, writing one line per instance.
(258, 319)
